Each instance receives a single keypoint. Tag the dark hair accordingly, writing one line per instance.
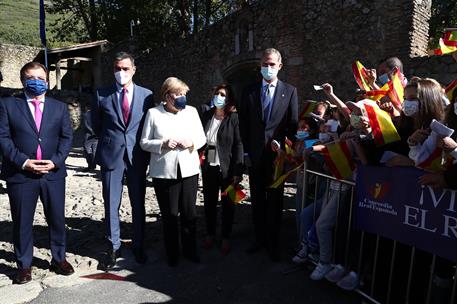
(124, 55)
(430, 96)
(229, 98)
(32, 66)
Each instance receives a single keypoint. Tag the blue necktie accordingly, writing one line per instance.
(266, 103)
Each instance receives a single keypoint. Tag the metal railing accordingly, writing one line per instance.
(376, 285)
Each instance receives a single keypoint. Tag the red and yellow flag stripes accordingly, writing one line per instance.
(308, 109)
(447, 43)
(450, 89)
(234, 193)
(383, 129)
(360, 75)
(396, 90)
(338, 159)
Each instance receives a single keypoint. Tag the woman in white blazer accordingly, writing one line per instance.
(172, 133)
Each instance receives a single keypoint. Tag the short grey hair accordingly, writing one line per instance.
(270, 51)
(124, 55)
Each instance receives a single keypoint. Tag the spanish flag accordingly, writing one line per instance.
(448, 43)
(338, 159)
(383, 129)
(376, 94)
(281, 179)
(396, 90)
(450, 89)
(235, 193)
(437, 161)
(278, 165)
(360, 75)
(308, 109)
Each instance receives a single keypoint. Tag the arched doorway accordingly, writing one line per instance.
(242, 74)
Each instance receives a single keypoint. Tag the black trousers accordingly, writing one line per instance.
(212, 183)
(267, 203)
(176, 197)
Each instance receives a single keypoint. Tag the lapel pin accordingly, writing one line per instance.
(282, 95)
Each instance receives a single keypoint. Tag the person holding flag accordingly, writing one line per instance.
(223, 162)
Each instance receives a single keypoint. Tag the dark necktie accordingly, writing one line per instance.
(266, 103)
(125, 106)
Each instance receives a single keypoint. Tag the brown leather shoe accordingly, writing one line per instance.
(63, 268)
(23, 276)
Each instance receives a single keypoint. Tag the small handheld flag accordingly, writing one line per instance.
(447, 43)
(234, 193)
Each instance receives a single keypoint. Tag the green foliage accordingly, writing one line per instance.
(20, 23)
(444, 15)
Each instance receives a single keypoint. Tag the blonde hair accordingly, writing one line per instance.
(173, 85)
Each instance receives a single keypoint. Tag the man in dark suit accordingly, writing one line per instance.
(35, 139)
(117, 119)
(268, 114)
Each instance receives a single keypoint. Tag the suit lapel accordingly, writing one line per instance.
(257, 101)
(135, 108)
(278, 101)
(117, 106)
(47, 109)
(24, 108)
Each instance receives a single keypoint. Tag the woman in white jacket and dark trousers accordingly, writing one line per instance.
(172, 133)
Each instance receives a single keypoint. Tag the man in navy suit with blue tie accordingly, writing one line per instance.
(268, 114)
(35, 139)
(117, 117)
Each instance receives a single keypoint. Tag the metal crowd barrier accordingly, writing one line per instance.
(368, 290)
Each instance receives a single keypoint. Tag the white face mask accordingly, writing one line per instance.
(410, 107)
(122, 77)
(455, 108)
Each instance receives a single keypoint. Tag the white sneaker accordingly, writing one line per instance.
(301, 255)
(320, 271)
(336, 274)
(349, 282)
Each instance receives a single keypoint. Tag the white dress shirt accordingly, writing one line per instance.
(211, 138)
(159, 126)
(129, 93)
(272, 85)
(32, 106)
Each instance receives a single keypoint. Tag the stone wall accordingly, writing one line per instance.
(12, 58)
(319, 41)
(441, 68)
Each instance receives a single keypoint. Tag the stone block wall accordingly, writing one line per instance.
(319, 41)
(12, 58)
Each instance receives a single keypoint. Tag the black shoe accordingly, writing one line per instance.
(140, 256)
(63, 268)
(111, 258)
(23, 276)
(256, 247)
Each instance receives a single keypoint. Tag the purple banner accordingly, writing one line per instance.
(391, 203)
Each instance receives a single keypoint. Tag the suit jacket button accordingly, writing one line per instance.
(39, 139)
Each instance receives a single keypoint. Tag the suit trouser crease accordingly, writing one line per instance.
(112, 195)
(23, 201)
(212, 183)
(176, 197)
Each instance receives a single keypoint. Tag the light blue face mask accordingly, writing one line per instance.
(410, 107)
(218, 101)
(302, 134)
(268, 73)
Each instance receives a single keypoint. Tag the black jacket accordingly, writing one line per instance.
(229, 146)
(256, 134)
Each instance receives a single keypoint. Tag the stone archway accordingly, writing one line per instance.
(242, 74)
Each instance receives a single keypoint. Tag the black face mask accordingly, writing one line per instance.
(180, 102)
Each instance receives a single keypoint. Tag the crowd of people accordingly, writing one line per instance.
(221, 139)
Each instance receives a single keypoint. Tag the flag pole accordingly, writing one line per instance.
(43, 32)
